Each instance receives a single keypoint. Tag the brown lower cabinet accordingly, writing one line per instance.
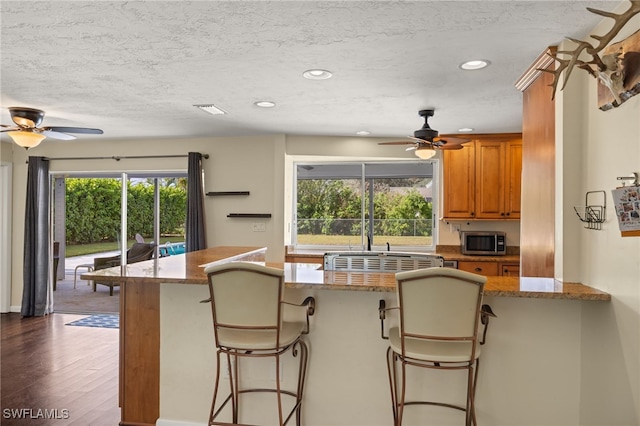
(482, 268)
(491, 268)
(510, 269)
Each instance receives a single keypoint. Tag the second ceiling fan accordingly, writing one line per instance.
(425, 141)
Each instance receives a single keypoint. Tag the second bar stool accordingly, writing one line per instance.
(247, 306)
(440, 310)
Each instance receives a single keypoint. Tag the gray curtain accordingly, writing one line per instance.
(196, 235)
(36, 296)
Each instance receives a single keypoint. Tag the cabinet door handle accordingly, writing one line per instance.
(478, 269)
(508, 213)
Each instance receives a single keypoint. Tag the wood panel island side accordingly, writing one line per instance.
(167, 360)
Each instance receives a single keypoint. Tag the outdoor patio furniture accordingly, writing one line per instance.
(89, 267)
(137, 253)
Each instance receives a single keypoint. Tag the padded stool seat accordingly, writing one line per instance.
(429, 350)
(260, 339)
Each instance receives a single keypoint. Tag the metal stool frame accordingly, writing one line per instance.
(234, 395)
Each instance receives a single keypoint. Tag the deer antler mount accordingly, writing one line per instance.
(617, 67)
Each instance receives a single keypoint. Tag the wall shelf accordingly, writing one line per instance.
(240, 215)
(223, 193)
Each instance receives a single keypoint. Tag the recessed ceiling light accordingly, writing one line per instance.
(317, 74)
(363, 133)
(211, 109)
(265, 104)
(465, 129)
(476, 64)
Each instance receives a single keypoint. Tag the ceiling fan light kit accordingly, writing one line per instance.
(26, 139)
(425, 153)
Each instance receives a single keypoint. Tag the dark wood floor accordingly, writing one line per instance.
(48, 368)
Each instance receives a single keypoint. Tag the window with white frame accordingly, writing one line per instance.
(362, 205)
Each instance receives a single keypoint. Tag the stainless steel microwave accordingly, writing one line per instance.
(484, 243)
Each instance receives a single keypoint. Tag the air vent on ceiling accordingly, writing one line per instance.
(211, 109)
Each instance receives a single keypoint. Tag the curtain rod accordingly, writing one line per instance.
(125, 157)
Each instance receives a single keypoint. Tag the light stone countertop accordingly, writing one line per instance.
(189, 269)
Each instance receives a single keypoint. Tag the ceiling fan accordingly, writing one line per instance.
(426, 141)
(27, 132)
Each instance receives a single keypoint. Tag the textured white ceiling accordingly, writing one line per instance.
(134, 69)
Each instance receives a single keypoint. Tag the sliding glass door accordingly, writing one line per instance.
(98, 213)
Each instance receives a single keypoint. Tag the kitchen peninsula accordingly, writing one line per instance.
(167, 352)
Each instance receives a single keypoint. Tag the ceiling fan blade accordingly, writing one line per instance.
(57, 135)
(448, 147)
(397, 143)
(450, 140)
(419, 140)
(83, 130)
(9, 129)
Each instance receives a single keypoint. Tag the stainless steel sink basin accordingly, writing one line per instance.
(380, 261)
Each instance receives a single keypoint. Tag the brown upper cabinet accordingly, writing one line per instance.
(482, 180)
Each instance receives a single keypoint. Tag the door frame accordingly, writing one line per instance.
(6, 172)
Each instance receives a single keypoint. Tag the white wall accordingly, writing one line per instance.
(610, 334)
(598, 146)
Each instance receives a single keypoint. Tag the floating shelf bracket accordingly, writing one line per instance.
(249, 215)
(223, 193)
(593, 214)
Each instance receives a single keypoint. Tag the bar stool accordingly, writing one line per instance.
(440, 310)
(247, 306)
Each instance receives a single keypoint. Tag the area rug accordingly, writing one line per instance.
(101, 321)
